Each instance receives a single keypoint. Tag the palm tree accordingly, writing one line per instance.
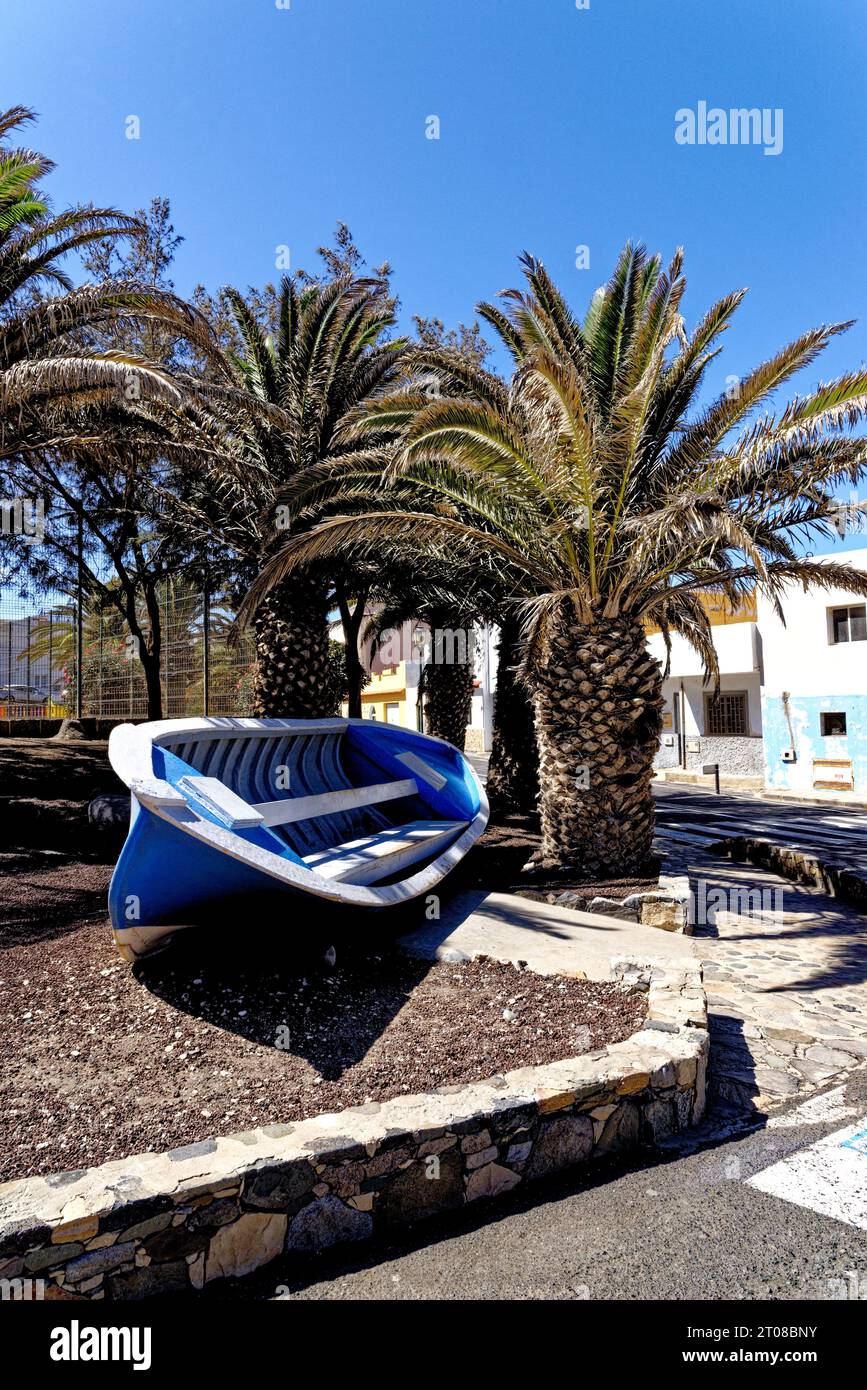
(446, 684)
(450, 603)
(427, 584)
(52, 388)
(513, 767)
(325, 359)
(612, 501)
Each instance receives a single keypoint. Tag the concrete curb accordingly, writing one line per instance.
(666, 906)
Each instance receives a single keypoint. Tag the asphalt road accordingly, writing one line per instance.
(689, 1226)
(832, 832)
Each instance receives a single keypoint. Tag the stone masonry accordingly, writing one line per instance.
(166, 1223)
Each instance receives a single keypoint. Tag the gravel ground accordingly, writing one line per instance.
(39, 767)
(48, 894)
(497, 864)
(101, 1061)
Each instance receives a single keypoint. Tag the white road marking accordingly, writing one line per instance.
(828, 1177)
(824, 1109)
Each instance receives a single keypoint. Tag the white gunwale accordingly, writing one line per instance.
(131, 754)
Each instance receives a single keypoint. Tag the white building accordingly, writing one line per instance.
(792, 706)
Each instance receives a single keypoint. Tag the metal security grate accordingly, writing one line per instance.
(726, 713)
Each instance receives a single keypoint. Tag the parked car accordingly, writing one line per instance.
(23, 694)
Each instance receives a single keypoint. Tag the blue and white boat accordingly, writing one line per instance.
(229, 811)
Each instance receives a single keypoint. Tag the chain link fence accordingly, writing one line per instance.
(39, 659)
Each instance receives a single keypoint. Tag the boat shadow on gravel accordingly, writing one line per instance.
(317, 987)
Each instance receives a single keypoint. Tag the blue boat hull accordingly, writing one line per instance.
(367, 816)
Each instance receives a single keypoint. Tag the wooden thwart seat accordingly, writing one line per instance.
(289, 809)
(220, 801)
(375, 856)
(366, 859)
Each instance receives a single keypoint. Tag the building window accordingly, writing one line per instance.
(392, 714)
(832, 724)
(849, 624)
(726, 713)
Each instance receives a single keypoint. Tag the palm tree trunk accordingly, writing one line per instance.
(597, 697)
(294, 676)
(513, 770)
(447, 681)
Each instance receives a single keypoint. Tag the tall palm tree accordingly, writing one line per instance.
(513, 766)
(51, 386)
(613, 500)
(450, 603)
(325, 359)
(426, 584)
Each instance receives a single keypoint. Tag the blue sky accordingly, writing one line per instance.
(266, 125)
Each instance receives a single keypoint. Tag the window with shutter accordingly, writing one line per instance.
(726, 713)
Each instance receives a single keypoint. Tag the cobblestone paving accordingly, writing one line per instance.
(786, 985)
(787, 990)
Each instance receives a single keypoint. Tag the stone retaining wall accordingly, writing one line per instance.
(666, 906)
(163, 1223)
(836, 879)
(670, 907)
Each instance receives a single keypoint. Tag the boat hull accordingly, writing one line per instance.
(198, 854)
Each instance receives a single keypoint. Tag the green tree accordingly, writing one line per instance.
(328, 357)
(89, 396)
(607, 499)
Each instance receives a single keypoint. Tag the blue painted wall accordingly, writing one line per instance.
(804, 712)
